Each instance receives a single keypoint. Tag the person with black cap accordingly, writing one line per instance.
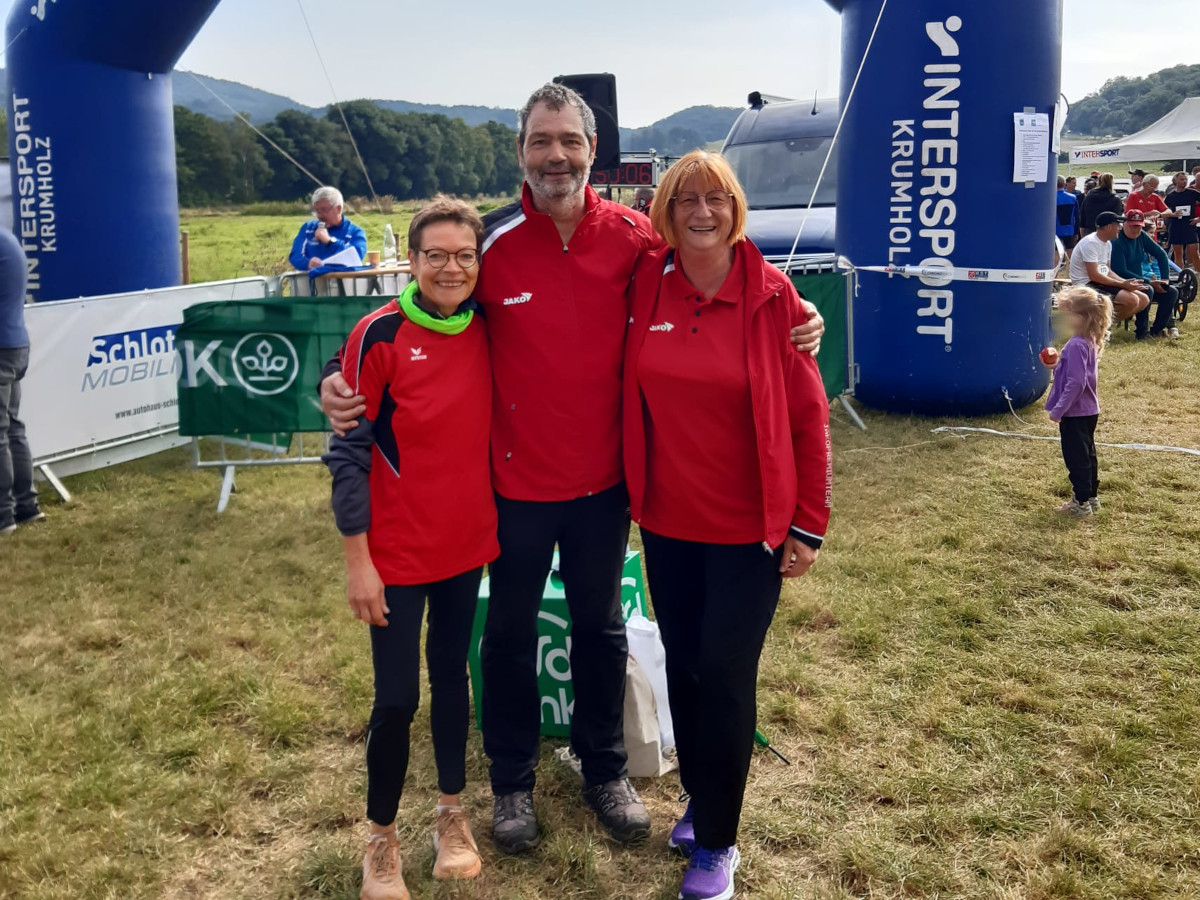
(1136, 176)
(1136, 255)
(1090, 265)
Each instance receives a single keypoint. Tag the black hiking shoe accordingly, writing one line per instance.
(619, 810)
(514, 823)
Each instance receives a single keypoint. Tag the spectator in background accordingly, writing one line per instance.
(329, 233)
(1146, 201)
(1184, 205)
(18, 496)
(1100, 199)
(1136, 255)
(1195, 176)
(1066, 227)
(642, 198)
(1135, 177)
(1070, 185)
(1090, 265)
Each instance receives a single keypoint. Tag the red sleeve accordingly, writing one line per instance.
(808, 414)
(365, 364)
(1129, 204)
(1158, 203)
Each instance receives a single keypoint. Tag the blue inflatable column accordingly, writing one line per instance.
(91, 141)
(925, 168)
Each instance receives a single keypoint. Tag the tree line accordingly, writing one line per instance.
(1127, 105)
(407, 155)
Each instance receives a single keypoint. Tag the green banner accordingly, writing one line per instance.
(828, 293)
(252, 366)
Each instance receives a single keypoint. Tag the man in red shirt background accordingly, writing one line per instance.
(1146, 201)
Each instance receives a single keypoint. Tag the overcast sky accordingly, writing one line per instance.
(666, 54)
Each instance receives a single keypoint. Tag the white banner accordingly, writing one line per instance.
(104, 369)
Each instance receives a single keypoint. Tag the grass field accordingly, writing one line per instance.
(981, 699)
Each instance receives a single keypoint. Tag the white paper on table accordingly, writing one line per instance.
(1031, 148)
(347, 257)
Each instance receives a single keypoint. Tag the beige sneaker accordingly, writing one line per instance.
(382, 879)
(457, 853)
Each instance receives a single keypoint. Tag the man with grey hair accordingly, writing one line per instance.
(329, 233)
(552, 281)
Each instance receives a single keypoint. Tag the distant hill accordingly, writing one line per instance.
(1125, 105)
(677, 133)
(260, 106)
(680, 132)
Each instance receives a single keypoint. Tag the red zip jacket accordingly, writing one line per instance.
(556, 323)
(791, 414)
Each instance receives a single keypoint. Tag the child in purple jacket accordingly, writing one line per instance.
(1073, 403)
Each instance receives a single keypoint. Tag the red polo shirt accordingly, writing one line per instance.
(703, 480)
(1143, 204)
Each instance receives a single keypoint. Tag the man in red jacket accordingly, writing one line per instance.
(552, 284)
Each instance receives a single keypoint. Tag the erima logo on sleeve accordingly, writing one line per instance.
(662, 326)
(417, 354)
(524, 298)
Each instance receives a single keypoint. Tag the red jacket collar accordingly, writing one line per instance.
(762, 281)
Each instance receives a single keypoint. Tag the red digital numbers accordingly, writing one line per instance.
(631, 173)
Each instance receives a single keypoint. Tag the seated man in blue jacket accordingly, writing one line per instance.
(329, 233)
(1137, 255)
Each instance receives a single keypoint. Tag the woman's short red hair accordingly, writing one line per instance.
(710, 169)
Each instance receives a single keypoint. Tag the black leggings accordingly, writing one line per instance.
(1078, 434)
(396, 653)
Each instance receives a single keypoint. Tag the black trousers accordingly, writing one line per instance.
(591, 533)
(1078, 435)
(714, 604)
(1164, 315)
(396, 653)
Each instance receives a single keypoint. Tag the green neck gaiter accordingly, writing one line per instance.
(455, 324)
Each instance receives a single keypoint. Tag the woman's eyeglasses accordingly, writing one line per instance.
(439, 258)
(717, 200)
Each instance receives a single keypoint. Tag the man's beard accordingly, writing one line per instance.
(557, 191)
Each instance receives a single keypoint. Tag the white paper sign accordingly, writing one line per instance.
(1031, 150)
(347, 257)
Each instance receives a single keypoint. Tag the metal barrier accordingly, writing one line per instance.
(256, 450)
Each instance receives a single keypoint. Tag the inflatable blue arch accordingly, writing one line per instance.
(91, 141)
(925, 163)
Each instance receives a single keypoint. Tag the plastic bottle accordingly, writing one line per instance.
(389, 244)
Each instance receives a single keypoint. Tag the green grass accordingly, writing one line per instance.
(981, 699)
(237, 246)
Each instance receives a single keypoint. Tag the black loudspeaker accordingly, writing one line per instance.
(600, 93)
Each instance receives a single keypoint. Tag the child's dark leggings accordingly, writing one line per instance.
(396, 653)
(1079, 453)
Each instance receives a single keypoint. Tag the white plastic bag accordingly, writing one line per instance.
(646, 646)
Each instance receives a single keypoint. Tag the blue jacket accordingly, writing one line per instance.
(345, 235)
(1067, 214)
(13, 274)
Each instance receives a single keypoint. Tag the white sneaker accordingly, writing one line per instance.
(1075, 509)
(1094, 503)
(1173, 333)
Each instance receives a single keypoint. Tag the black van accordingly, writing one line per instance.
(777, 148)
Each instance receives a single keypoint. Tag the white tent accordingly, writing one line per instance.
(1175, 136)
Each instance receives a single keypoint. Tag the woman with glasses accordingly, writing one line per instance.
(728, 464)
(413, 499)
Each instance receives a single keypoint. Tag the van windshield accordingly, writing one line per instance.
(779, 174)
